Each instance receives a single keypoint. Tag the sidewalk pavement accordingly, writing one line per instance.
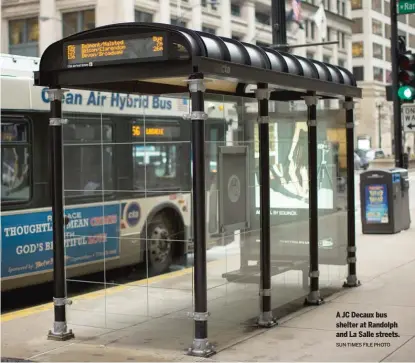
(386, 268)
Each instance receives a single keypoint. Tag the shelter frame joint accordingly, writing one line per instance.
(265, 292)
(57, 121)
(61, 301)
(199, 316)
(263, 119)
(311, 100)
(56, 94)
(314, 274)
(196, 85)
(263, 93)
(196, 115)
(349, 105)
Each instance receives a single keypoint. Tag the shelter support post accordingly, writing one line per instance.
(60, 329)
(313, 297)
(352, 280)
(265, 319)
(201, 346)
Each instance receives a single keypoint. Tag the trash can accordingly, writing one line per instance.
(384, 201)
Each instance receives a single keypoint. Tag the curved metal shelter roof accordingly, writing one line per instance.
(159, 58)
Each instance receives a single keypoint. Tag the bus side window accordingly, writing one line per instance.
(15, 161)
(88, 158)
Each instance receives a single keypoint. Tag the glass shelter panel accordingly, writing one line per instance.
(332, 192)
(232, 285)
(289, 201)
(127, 187)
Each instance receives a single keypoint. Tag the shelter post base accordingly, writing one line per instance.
(352, 281)
(266, 320)
(313, 299)
(60, 332)
(201, 348)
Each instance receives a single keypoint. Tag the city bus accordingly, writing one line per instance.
(127, 178)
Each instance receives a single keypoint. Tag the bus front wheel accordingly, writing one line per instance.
(159, 246)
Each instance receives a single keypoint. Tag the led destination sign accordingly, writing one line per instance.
(113, 50)
(155, 131)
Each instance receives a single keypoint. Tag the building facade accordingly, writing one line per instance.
(29, 26)
(372, 68)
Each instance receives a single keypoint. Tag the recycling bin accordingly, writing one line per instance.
(384, 201)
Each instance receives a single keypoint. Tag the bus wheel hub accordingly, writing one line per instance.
(160, 244)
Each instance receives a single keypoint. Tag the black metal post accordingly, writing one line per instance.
(279, 23)
(201, 346)
(352, 280)
(395, 85)
(265, 319)
(313, 297)
(60, 329)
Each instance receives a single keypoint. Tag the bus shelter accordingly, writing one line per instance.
(154, 59)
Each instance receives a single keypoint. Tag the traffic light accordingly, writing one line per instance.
(406, 75)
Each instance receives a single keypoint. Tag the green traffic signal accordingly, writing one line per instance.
(406, 93)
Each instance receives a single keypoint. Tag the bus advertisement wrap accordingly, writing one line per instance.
(27, 247)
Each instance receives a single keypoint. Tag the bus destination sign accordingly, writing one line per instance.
(113, 50)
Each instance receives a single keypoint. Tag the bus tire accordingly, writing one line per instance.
(159, 245)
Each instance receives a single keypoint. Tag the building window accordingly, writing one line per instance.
(178, 22)
(377, 27)
(377, 51)
(412, 21)
(342, 63)
(401, 33)
(387, 31)
(24, 37)
(343, 11)
(328, 34)
(78, 21)
(402, 19)
(313, 30)
(358, 73)
(235, 10)
(378, 74)
(341, 37)
(356, 4)
(326, 59)
(388, 57)
(263, 18)
(386, 8)
(388, 76)
(357, 49)
(357, 26)
(377, 5)
(207, 29)
(310, 55)
(236, 37)
(306, 27)
(143, 17)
